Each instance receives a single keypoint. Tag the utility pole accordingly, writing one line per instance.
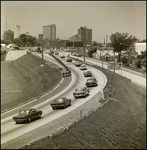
(107, 42)
(114, 74)
(42, 55)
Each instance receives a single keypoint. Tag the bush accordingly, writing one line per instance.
(138, 64)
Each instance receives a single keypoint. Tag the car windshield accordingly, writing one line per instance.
(87, 72)
(23, 112)
(89, 80)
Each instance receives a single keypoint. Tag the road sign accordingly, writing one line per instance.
(110, 89)
(69, 44)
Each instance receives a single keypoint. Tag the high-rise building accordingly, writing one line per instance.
(8, 35)
(49, 32)
(85, 35)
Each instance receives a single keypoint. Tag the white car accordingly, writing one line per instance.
(83, 67)
(81, 92)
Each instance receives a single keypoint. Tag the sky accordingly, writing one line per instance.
(103, 17)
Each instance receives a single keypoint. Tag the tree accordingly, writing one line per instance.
(92, 51)
(122, 42)
(138, 64)
(23, 39)
(143, 54)
(17, 42)
(27, 39)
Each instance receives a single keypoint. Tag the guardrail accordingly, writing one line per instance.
(67, 71)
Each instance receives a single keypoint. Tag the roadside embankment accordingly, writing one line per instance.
(24, 79)
(120, 124)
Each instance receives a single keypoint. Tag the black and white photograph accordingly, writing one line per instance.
(73, 74)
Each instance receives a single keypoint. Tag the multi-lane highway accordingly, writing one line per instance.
(10, 130)
(135, 77)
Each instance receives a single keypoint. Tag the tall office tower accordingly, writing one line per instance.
(8, 35)
(85, 35)
(49, 32)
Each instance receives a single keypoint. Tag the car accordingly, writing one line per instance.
(78, 63)
(81, 92)
(61, 102)
(52, 52)
(66, 73)
(62, 56)
(83, 67)
(78, 55)
(68, 59)
(27, 115)
(87, 73)
(56, 53)
(73, 54)
(91, 82)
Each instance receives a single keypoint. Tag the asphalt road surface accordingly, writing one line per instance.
(10, 130)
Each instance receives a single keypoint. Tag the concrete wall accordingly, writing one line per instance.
(3, 56)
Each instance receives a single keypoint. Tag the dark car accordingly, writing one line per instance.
(27, 115)
(61, 102)
(78, 63)
(91, 82)
(65, 73)
(81, 92)
(52, 52)
(87, 73)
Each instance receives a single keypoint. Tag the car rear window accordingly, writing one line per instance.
(59, 100)
(80, 89)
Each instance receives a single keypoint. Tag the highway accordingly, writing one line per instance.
(10, 130)
(135, 77)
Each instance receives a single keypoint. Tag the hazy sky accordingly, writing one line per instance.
(103, 17)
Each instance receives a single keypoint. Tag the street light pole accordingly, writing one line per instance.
(102, 58)
(42, 56)
(114, 74)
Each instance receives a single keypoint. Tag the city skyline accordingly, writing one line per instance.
(103, 17)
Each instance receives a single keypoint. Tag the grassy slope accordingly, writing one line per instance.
(26, 75)
(120, 124)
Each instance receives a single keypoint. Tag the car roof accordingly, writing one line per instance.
(87, 71)
(91, 78)
(80, 88)
(26, 109)
(59, 99)
(83, 65)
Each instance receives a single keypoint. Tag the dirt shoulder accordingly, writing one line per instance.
(121, 124)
